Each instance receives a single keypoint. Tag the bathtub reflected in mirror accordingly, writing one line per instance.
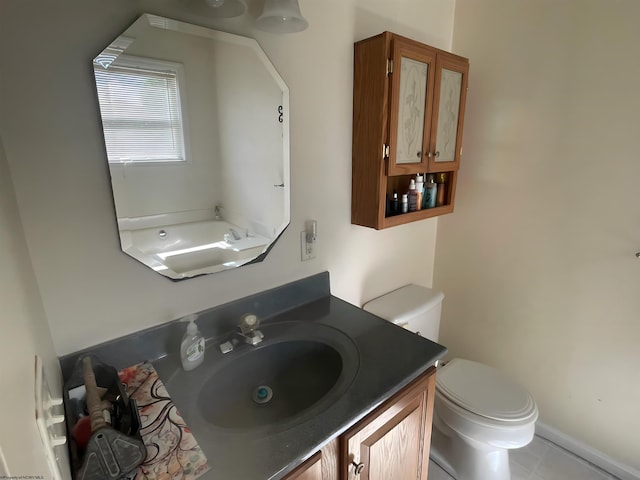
(196, 131)
(190, 249)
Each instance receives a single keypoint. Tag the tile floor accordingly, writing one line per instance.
(541, 460)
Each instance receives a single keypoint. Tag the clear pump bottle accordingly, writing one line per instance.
(192, 346)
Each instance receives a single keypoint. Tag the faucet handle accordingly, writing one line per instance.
(226, 347)
(249, 323)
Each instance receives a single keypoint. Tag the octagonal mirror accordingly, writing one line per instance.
(196, 133)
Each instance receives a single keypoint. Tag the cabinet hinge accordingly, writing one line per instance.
(385, 151)
(389, 66)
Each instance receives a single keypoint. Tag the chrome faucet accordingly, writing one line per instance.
(248, 332)
(249, 329)
(233, 233)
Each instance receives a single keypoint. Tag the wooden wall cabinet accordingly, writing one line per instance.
(392, 442)
(408, 116)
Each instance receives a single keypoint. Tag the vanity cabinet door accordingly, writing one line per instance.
(393, 441)
(448, 113)
(322, 466)
(309, 470)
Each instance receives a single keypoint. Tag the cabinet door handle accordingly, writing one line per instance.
(357, 467)
(419, 154)
(437, 154)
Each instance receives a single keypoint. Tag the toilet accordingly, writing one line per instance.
(479, 413)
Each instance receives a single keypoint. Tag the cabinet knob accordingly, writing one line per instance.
(357, 467)
(638, 255)
(419, 154)
(437, 154)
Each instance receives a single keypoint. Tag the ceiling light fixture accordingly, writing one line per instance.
(226, 8)
(281, 16)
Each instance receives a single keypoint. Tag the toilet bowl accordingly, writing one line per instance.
(479, 413)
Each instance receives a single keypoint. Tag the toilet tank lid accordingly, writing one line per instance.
(404, 303)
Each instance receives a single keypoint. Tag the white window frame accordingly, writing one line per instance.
(154, 65)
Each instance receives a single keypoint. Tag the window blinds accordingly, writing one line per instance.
(141, 114)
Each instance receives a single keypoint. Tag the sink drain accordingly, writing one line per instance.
(262, 394)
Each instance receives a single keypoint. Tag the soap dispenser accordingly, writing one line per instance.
(192, 346)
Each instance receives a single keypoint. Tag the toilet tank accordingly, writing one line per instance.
(413, 307)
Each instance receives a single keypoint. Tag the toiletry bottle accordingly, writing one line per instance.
(405, 203)
(441, 180)
(413, 196)
(430, 193)
(192, 346)
(395, 204)
(419, 191)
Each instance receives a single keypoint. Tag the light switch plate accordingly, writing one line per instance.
(307, 250)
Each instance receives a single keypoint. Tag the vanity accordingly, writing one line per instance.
(328, 391)
(352, 393)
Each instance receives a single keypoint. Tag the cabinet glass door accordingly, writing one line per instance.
(450, 94)
(411, 106)
(411, 110)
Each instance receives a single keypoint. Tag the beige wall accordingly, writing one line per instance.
(537, 263)
(92, 292)
(23, 334)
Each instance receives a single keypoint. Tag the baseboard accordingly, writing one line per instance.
(590, 454)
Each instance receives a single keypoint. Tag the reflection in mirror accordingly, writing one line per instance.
(196, 130)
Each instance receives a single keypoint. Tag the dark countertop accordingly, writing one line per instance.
(390, 357)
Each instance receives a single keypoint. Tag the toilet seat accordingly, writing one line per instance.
(484, 391)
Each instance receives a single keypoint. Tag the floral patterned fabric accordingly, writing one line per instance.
(172, 450)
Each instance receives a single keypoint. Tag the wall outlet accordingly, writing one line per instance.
(307, 250)
(49, 413)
